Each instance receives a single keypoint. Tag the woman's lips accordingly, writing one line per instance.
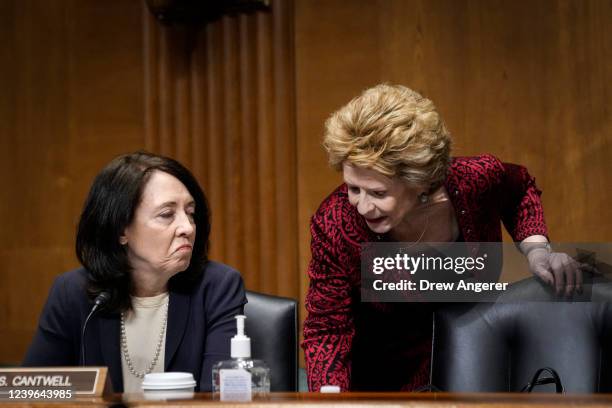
(184, 248)
(375, 220)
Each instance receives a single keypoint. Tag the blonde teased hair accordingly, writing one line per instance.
(393, 130)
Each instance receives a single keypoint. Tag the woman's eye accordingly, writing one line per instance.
(354, 190)
(166, 215)
(379, 194)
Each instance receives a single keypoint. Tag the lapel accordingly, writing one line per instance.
(109, 343)
(178, 316)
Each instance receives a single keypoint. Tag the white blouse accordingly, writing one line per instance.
(143, 326)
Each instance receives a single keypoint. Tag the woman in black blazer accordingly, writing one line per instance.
(164, 306)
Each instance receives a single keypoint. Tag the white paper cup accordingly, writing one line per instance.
(183, 382)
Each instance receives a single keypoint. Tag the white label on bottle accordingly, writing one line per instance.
(235, 385)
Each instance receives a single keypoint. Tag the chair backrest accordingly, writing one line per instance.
(272, 325)
(498, 347)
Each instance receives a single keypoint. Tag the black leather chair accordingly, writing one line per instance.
(498, 347)
(272, 325)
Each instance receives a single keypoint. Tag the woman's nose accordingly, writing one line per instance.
(186, 225)
(364, 205)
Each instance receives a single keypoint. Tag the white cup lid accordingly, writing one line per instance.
(168, 381)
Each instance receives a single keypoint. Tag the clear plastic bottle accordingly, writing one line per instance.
(241, 363)
(260, 375)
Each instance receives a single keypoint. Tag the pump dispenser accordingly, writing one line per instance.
(240, 378)
(240, 343)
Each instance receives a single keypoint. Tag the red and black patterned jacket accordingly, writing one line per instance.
(387, 346)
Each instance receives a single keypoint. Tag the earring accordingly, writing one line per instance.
(423, 198)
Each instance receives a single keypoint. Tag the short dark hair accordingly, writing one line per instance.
(109, 208)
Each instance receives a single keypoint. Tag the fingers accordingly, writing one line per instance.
(558, 271)
(571, 272)
(568, 270)
(561, 271)
(545, 275)
(579, 279)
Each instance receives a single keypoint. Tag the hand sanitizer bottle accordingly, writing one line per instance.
(240, 378)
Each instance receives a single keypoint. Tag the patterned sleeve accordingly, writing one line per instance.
(522, 211)
(329, 326)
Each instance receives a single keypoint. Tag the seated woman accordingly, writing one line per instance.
(143, 241)
(401, 184)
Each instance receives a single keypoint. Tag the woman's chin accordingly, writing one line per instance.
(183, 265)
(378, 228)
(180, 266)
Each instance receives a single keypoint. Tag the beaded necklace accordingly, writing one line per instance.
(126, 353)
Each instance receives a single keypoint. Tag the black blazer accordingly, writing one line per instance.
(200, 326)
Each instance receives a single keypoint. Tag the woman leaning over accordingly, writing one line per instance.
(142, 240)
(401, 184)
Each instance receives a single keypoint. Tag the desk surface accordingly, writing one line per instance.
(295, 400)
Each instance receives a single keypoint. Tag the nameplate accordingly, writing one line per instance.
(52, 383)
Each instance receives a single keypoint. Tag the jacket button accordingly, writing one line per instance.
(456, 192)
(469, 231)
(462, 212)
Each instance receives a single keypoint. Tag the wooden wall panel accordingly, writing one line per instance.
(221, 100)
(71, 80)
(527, 81)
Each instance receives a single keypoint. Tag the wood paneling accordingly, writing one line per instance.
(71, 80)
(526, 81)
(221, 100)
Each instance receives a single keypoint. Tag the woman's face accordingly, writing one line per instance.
(384, 202)
(160, 238)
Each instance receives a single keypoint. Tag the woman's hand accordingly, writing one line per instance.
(557, 269)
